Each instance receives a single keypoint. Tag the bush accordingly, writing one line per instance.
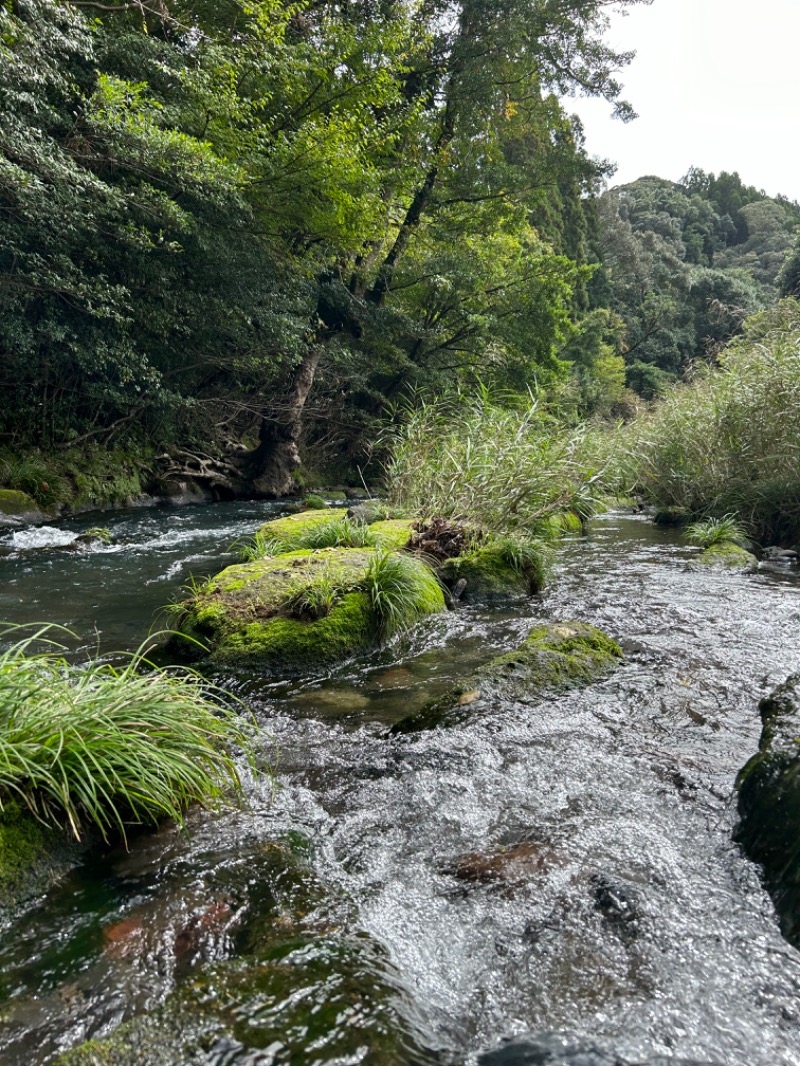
(503, 471)
(110, 747)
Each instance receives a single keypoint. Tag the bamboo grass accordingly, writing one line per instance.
(111, 746)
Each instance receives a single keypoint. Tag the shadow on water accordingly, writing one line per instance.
(564, 866)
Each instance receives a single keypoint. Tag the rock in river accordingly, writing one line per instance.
(769, 803)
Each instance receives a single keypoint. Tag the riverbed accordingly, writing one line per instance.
(560, 867)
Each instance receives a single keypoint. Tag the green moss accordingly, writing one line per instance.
(13, 502)
(393, 534)
(490, 576)
(554, 656)
(725, 555)
(336, 496)
(289, 644)
(31, 855)
(288, 528)
(313, 502)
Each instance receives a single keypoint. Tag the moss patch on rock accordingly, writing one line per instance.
(672, 516)
(288, 528)
(769, 803)
(13, 503)
(32, 856)
(490, 577)
(725, 556)
(554, 656)
(393, 533)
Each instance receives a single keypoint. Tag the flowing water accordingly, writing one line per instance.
(565, 867)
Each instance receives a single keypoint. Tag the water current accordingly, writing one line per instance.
(565, 867)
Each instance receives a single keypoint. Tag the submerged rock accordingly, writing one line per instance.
(769, 803)
(554, 656)
(555, 1049)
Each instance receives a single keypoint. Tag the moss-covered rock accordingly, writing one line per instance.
(769, 803)
(554, 656)
(725, 556)
(392, 534)
(31, 856)
(290, 526)
(298, 611)
(18, 508)
(490, 577)
(672, 516)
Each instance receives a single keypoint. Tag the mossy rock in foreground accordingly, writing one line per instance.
(244, 617)
(726, 555)
(769, 803)
(18, 508)
(554, 656)
(32, 856)
(490, 578)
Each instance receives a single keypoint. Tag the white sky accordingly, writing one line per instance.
(716, 84)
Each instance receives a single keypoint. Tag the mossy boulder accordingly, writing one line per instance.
(293, 612)
(727, 555)
(18, 508)
(673, 516)
(290, 526)
(555, 655)
(32, 856)
(769, 803)
(490, 577)
(393, 533)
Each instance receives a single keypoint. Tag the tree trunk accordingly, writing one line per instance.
(273, 464)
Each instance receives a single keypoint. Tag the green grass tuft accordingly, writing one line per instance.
(713, 531)
(111, 746)
(402, 590)
(336, 533)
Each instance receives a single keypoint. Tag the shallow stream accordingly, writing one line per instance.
(566, 867)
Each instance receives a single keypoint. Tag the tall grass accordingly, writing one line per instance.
(402, 590)
(111, 746)
(729, 442)
(502, 470)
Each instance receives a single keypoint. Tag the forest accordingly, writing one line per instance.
(236, 237)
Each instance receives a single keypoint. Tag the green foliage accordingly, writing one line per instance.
(501, 470)
(711, 531)
(402, 590)
(730, 441)
(110, 746)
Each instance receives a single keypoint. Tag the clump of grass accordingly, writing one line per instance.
(527, 555)
(402, 590)
(337, 533)
(36, 478)
(502, 470)
(110, 746)
(317, 598)
(313, 501)
(713, 531)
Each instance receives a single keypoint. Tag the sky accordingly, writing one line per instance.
(716, 84)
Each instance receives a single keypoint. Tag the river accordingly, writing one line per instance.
(565, 867)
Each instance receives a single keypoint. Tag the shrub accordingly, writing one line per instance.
(111, 746)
